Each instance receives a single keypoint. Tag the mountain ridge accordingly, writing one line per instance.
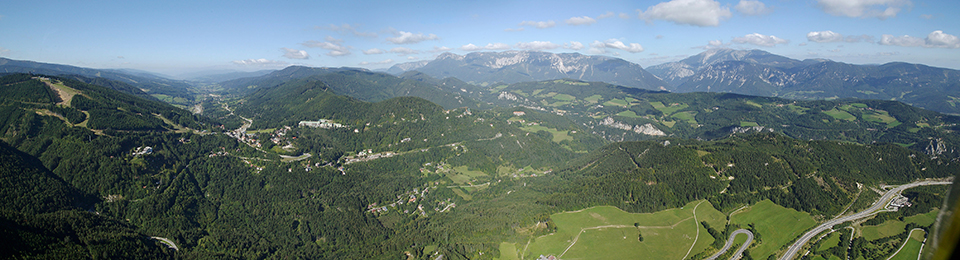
(484, 68)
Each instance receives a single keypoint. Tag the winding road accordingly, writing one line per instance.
(882, 202)
(730, 243)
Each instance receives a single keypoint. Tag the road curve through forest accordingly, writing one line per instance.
(881, 203)
(730, 243)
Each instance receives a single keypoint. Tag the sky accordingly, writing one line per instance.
(176, 37)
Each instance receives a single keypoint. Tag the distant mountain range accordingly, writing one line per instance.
(144, 84)
(484, 68)
(760, 73)
(749, 72)
(676, 73)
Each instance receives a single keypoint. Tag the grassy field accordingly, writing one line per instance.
(464, 175)
(882, 117)
(748, 123)
(593, 99)
(609, 233)
(657, 105)
(893, 227)
(798, 109)
(564, 97)
(688, 116)
(831, 240)
(508, 251)
(777, 225)
(888, 228)
(558, 135)
(672, 109)
(840, 114)
(754, 104)
(628, 113)
(617, 102)
(912, 248)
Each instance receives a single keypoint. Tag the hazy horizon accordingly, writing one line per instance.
(179, 37)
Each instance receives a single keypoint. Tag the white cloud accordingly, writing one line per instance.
(573, 45)
(471, 47)
(490, 46)
(606, 15)
(333, 45)
(514, 29)
(496, 46)
(387, 61)
(3, 51)
(690, 12)
(752, 7)
(824, 36)
(716, 44)
(583, 20)
(537, 45)
(295, 54)
(713, 44)
(624, 16)
(926, 16)
(440, 49)
(830, 36)
(259, 62)
(881, 9)
(373, 51)
(409, 38)
(346, 28)
(615, 44)
(411, 58)
(403, 51)
(760, 40)
(539, 25)
(936, 39)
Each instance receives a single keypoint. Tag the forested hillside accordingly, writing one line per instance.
(43, 217)
(405, 177)
(357, 83)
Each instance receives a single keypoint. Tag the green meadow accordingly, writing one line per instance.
(778, 226)
(606, 232)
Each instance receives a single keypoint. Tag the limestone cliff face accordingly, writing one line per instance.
(647, 129)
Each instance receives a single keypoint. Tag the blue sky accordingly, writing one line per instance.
(175, 37)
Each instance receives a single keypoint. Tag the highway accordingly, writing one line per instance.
(730, 243)
(862, 214)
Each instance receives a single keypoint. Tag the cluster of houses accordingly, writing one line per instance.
(410, 198)
(366, 156)
(322, 123)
